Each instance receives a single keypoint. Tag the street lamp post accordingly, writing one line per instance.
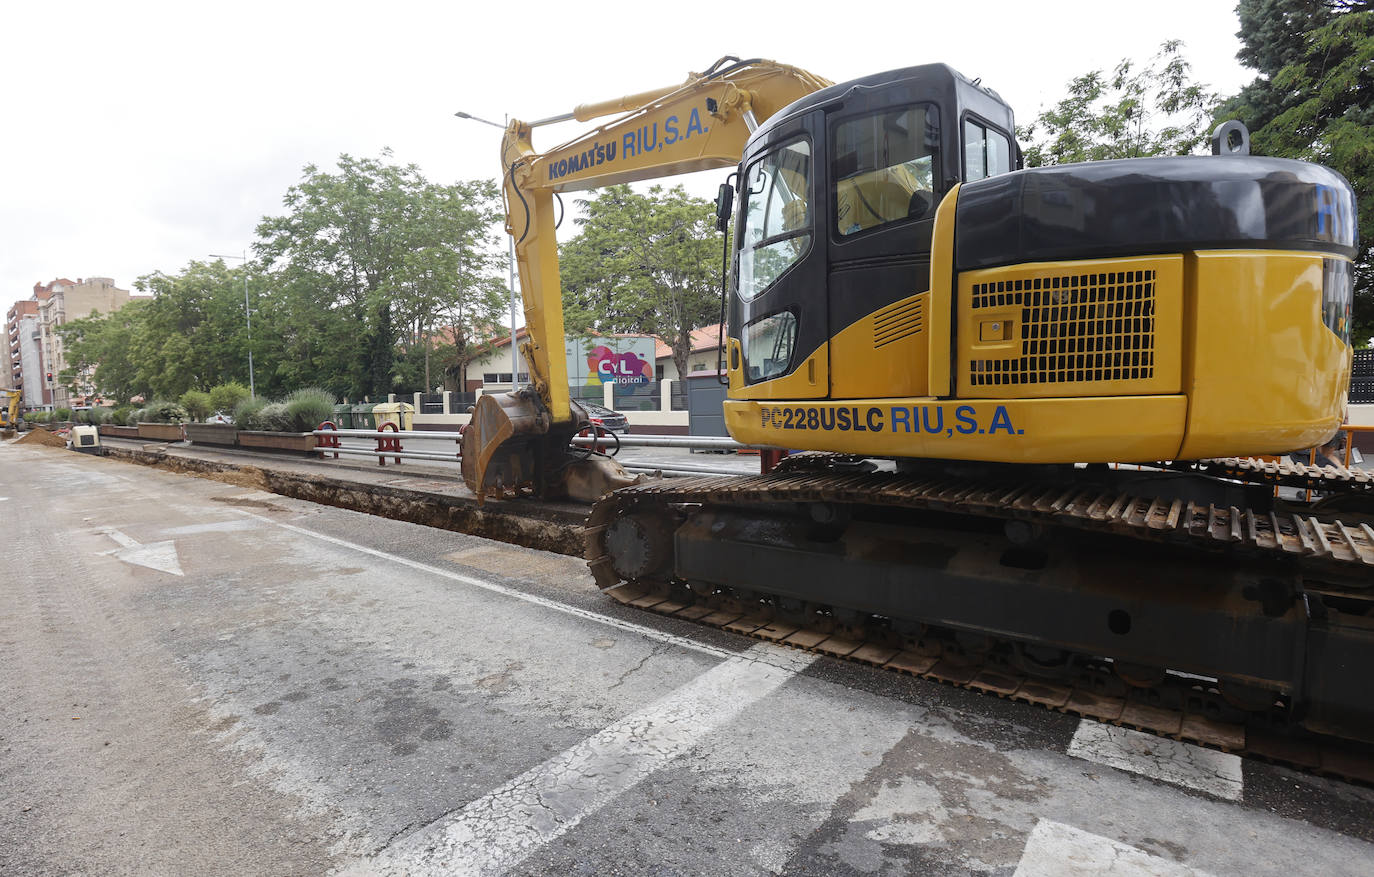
(247, 318)
(510, 264)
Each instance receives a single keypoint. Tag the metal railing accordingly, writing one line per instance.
(390, 445)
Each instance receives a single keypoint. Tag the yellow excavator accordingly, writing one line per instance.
(966, 351)
(9, 410)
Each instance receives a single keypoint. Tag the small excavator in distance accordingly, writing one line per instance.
(9, 411)
(965, 352)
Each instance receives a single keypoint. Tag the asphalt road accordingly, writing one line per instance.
(200, 678)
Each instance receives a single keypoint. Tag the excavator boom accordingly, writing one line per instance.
(703, 123)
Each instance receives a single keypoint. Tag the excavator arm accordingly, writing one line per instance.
(520, 439)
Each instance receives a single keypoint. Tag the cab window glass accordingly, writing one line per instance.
(777, 218)
(883, 167)
(768, 345)
(987, 151)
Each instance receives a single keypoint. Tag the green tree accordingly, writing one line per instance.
(452, 289)
(110, 343)
(368, 258)
(643, 263)
(1314, 99)
(194, 333)
(1136, 111)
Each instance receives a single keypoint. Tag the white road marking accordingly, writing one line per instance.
(1057, 850)
(628, 626)
(161, 556)
(499, 830)
(1170, 761)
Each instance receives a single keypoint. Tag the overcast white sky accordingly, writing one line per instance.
(138, 136)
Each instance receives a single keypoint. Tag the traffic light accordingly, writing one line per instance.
(50, 377)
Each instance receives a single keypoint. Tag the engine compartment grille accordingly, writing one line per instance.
(1097, 326)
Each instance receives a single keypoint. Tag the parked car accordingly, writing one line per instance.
(611, 421)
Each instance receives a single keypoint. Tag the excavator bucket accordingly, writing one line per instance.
(498, 443)
(511, 444)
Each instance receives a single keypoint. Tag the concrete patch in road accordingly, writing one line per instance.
(1159, 758)
(1057, 850)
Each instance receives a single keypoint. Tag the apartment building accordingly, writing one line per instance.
(36, 349)
(24, 337)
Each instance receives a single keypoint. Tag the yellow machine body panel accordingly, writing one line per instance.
(888, 349)
(1024, 430)
(1264, 374)
(1134, 359)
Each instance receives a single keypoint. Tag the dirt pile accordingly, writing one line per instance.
(43, 437)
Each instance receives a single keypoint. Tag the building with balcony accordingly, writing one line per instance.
(35, 347)
(24, 336)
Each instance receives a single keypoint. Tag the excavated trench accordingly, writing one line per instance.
(532, 526)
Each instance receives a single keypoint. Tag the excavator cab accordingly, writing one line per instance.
(836, 212)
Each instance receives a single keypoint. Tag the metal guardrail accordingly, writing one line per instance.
(404, 433)
(390, 445)
(694, 442)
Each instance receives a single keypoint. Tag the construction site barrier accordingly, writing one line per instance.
(326, 436)
(387, 443)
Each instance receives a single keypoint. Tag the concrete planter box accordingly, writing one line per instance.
(114, 430)
(212, 433)
(302, 442)
(163, 432)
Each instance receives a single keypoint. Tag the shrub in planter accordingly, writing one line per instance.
(226, 397)
(63, 413)
(166, 412)
(120, 415)
(99, 415)
(197, 404)
(246, 413)
(275, 418)
(309, 408)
